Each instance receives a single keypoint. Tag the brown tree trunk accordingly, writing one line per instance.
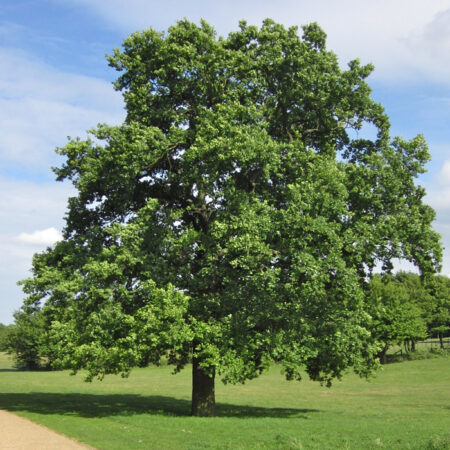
(203, 396)
(406, 345)
(382, 354)
(441, 340)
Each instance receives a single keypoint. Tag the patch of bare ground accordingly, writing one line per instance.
(19, 433)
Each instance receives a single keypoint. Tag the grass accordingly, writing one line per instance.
(405, 407)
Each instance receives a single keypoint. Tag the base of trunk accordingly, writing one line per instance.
(203, 395)
(382, 354)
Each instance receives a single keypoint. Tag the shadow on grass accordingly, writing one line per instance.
(90, 405)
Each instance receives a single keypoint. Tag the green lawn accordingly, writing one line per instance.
(406, 406)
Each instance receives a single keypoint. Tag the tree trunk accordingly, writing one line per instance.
(382, 354)
(406, 345)
(441, 340)
(203, 396)
(413, 345)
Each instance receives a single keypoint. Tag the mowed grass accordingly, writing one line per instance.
(406, 406)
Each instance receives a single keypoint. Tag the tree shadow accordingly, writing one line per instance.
(97, 405)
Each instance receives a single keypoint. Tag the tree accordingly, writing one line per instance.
(25, 339)
(3, 333)
(418, 291)
(440, 316)
(232, 219)
(396, 305)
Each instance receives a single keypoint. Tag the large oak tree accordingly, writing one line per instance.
(232, 220)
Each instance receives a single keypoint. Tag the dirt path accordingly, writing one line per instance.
(19, 433)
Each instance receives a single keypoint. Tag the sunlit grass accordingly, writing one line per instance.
(406, 406)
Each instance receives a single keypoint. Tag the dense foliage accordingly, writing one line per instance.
(26, 340)
(3, 333)
(398, 314)
(404, 310)
(234, 217)
(439, 322)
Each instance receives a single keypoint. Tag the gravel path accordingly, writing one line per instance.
(19, 433)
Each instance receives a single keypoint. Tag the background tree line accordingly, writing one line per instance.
(402, 308)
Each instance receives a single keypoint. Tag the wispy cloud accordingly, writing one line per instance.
(428, 47)
(41, 237)
(30, 215)
(40, 106)
(439, 193)
(435, 35)
(444, 174)
(438, 197)
(26, 206)
(402, 38)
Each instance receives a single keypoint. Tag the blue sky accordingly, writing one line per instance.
(54, 83)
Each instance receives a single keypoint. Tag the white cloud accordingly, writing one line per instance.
(439, 199)
(25, 207)
(435, 35)
(428, 47)
(403, 38)
(438, 193)
(443, 228)
(443, 176)
(40, 106)
(26, 76)
(41, 237)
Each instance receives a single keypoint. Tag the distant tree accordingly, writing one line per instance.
(396, 317)
(419, 295)
(3, 333)
(232, 219)
(25, 339)
(440, 316)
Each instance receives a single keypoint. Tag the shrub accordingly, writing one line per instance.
(24, 339)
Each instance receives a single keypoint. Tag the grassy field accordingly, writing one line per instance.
(407, 406)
